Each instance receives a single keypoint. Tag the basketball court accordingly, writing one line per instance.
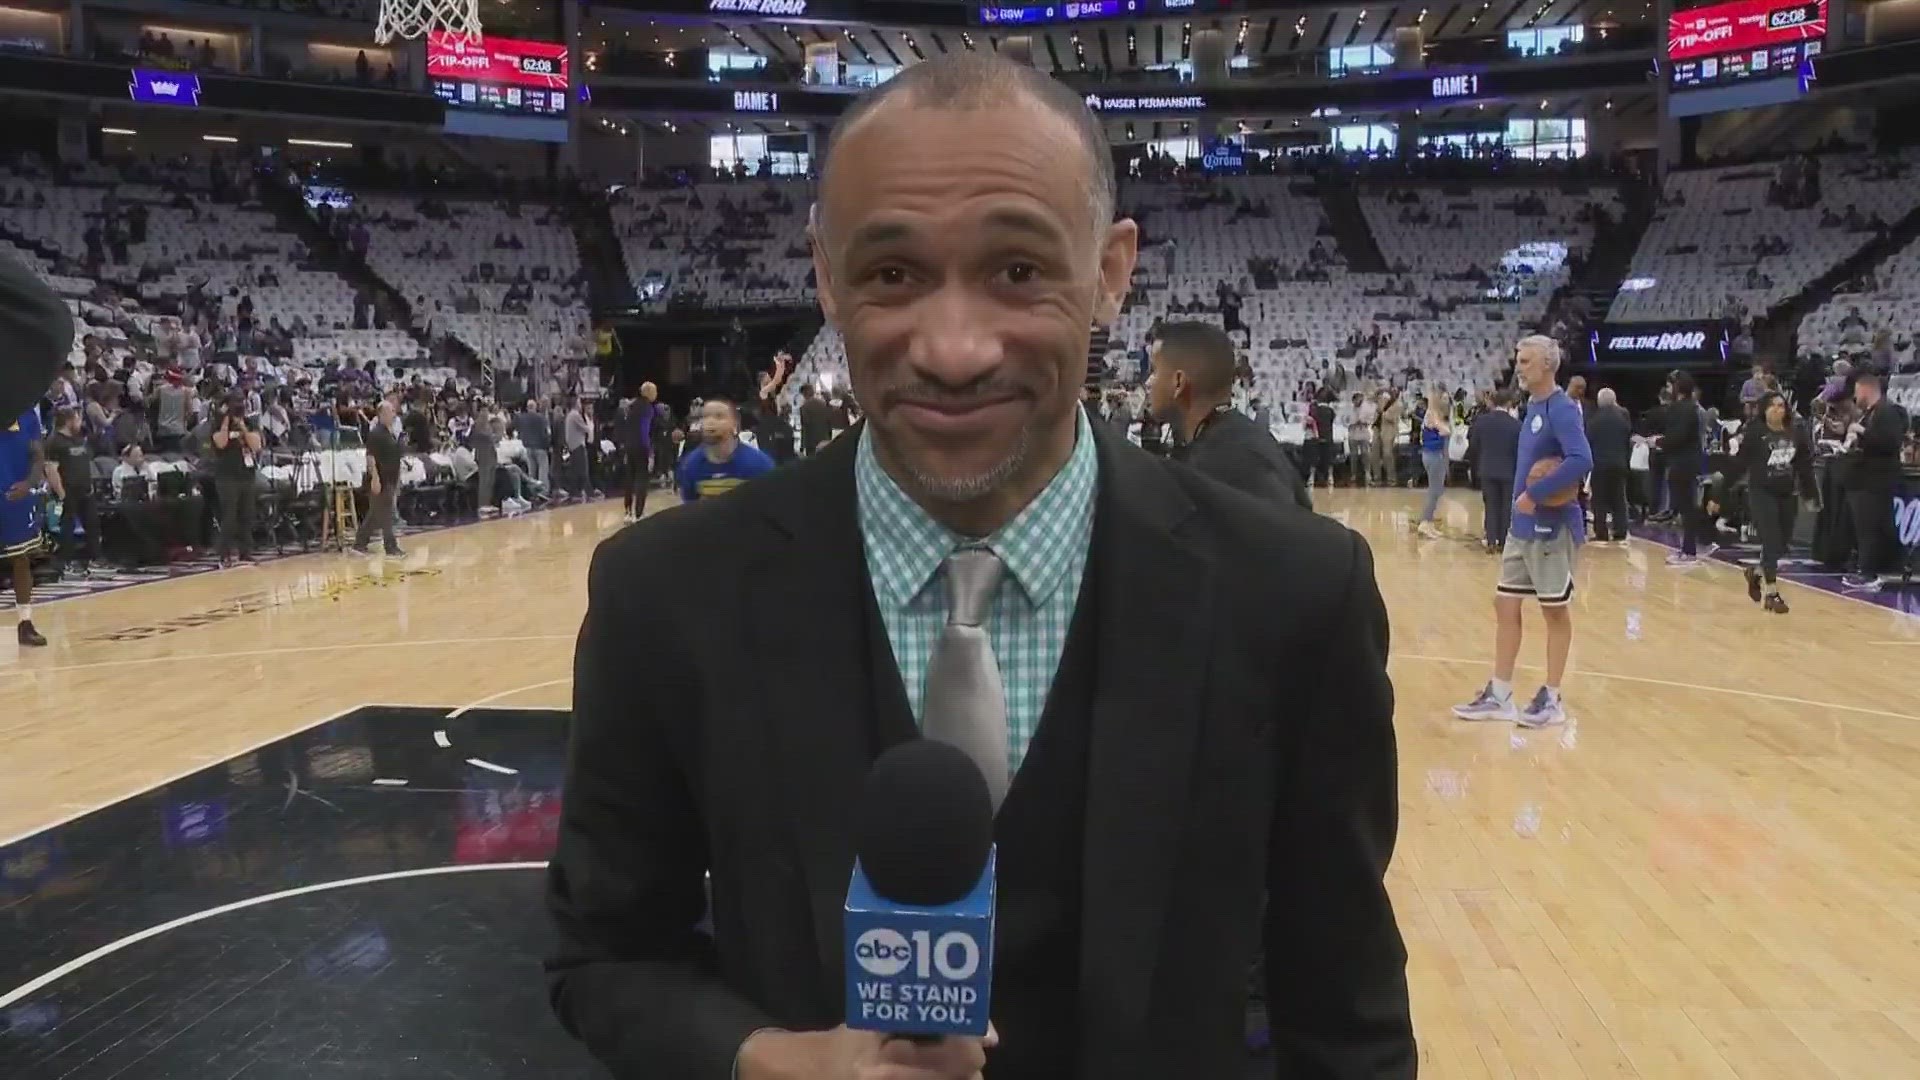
(288, 819)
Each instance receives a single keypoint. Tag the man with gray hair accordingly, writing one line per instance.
(1610, 435)
(1547, 529)
(1178, 694)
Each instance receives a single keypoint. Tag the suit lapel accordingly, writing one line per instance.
(1154, 589)
(816, 691)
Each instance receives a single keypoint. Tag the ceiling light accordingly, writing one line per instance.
(118, 131)
(330, 144)
(219, 138)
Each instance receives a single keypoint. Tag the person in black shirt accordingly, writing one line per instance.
(1320, 447)
(1191, 385)
(1777, 456)
(1874, 442)
(236, 460)
(68, 449)
(1680, 439)
(816, 420)
(383, 483)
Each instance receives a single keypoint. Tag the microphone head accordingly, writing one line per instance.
(925, 825)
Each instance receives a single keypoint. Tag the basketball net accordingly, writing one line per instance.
(414, 18)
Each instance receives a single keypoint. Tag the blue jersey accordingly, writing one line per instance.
(701, 477)
(1551, 427)
(16, 450)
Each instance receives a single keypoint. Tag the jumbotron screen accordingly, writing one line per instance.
(498, 74)
(1742, 40)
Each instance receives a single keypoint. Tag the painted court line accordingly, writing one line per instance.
(110, 948)
(290, 650)
(82, 811)
(1573, 672)
(490, 698)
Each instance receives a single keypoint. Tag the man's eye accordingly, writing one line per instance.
(1020, 273)
(887, 275)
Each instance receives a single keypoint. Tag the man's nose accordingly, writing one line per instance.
(955, 338)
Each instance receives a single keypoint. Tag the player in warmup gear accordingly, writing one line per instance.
(23, 467)
(1547, 530)
(721, 462)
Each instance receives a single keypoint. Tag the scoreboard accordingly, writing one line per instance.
(1743, 40)
(498, 74)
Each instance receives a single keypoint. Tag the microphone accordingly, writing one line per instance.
(919, 911)
(36, 332)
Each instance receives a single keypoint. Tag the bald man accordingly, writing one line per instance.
(1191, 387)
(1194, 716)
(636, 441)
(1610, 434)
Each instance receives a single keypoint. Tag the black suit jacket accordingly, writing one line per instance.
(816, 424)
(1493, 444)
(1610, 435)
(1242, 752)
(1239, 453)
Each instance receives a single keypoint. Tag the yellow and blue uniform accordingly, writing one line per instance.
(702, 478)
(20, 522)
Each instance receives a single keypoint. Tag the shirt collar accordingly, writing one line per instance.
(905, 546)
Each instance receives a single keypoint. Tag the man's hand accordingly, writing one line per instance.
(845, 1054)
(1524, 503)
(19, 491)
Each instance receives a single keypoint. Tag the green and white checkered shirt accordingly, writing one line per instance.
(1044, 549)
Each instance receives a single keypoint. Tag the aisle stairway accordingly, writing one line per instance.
(609, 285)
(288, 205)
(1341, 202)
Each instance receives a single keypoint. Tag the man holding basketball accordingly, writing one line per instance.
(1547, 528)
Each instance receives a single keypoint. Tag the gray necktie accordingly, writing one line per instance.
(964, 702)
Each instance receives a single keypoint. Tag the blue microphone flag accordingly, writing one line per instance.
(915, 970)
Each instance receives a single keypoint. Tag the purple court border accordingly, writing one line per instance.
(1797, 568)
(210, 565)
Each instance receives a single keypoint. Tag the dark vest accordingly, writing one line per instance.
(1039, 834)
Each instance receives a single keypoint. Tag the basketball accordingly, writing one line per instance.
(1541, 468)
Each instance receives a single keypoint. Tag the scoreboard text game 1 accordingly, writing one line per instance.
(499, 74)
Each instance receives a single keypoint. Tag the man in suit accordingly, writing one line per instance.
(1196, 712)
(1610, 434)
(1492, 442)
(383, 482)
(1190, 388)
(816, 420)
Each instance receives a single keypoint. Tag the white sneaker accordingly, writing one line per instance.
(1545, 710)
(1485, 706)
(1429, 531)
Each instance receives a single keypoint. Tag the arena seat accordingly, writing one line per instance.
(1893, 304)
(456, 275)
(1701, 251)
(744, 244)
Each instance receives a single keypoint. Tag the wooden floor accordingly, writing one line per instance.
(1713, 872)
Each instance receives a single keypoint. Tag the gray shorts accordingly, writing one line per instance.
(1542, 569)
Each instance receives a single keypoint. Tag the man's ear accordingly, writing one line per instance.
(822, 265)
(1119, 248)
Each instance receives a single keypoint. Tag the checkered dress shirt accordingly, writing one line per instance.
(1044, 549)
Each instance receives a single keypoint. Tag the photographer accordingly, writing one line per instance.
(236, 461)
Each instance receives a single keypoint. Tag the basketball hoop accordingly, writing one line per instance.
(416, 18)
